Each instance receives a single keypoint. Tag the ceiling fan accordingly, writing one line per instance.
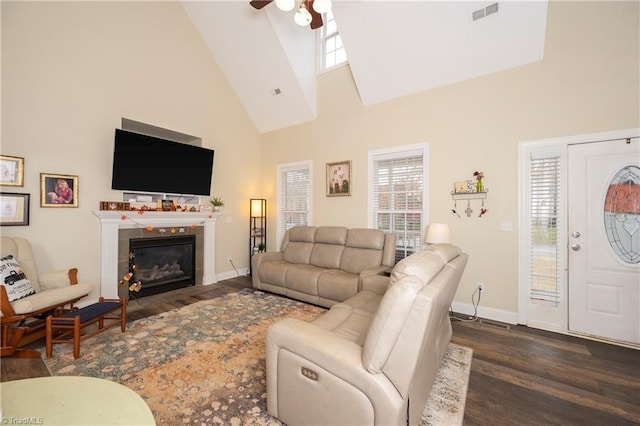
(309, 12)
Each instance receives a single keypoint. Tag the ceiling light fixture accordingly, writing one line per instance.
(322, 6)
(309, 12)
(302, 16)
(285, 5)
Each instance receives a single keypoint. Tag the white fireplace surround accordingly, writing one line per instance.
(111, 222)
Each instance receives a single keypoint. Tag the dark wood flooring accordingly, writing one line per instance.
(519, 376)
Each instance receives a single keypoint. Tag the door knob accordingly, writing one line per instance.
(575, 234)
(575, 247)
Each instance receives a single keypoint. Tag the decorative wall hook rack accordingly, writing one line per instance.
(470, 195)
(469, 190)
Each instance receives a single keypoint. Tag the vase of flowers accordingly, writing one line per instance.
(479, 184)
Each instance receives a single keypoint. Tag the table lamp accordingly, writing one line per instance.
(437, 233)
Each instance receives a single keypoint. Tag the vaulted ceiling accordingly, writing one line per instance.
(395, 48)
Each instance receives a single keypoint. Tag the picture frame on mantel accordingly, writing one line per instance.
(11, 171)
(339, 179)
(58, 190)
(14, 209)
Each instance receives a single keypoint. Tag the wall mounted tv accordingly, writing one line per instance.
(149, 164)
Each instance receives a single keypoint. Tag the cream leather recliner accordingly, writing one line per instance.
(372, 359)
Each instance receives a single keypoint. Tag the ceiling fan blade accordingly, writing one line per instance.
(316, 18)
(259, 4)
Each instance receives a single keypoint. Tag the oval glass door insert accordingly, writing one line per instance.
(622, 214)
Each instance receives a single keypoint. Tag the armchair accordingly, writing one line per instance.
(23, 320)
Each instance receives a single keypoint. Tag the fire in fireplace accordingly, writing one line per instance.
(164, 263)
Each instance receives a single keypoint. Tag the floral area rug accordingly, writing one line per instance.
(204, 364)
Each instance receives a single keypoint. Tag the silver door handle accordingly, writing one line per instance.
(575, 234)
(575, 247)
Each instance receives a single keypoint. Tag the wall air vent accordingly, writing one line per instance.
(491, 9)
(485, 11)
(478, 14)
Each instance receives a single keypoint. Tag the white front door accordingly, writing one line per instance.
(604, 239)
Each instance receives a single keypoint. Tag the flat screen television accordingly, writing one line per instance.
(149, 164)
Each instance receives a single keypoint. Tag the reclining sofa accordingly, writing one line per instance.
(372, 359)
(323, 265)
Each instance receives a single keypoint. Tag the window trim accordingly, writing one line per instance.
(400, 152)
(320, 51)
(541, 315)
(280, 169)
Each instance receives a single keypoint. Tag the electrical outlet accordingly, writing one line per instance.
(229, 259)
(480, 286)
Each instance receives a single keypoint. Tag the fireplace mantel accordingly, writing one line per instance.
(112, 221)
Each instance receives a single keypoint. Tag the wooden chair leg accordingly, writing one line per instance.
(123, 315)
(76, 337)
(10, 337)
(49, 337)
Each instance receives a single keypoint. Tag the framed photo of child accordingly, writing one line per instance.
(58, 190)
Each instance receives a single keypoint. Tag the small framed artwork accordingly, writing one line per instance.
(11, 171)
(58, 190)
(460, 187)
(339, 179)
(14, 209)
(167, 205)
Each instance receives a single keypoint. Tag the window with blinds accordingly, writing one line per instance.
(544, 223)
(294, 196)
(397, 195)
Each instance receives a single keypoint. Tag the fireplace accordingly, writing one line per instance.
(117, 228)
(166, 260)
(163, 263)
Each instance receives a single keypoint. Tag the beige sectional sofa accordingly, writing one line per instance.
(324, 265)
(372, 359)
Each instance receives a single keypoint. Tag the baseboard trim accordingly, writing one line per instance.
(230, 274)
(488, 313)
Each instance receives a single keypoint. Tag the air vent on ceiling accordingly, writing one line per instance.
(485, 11)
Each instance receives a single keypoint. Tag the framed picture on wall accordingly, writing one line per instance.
(461, 187)
(11, 171)
(339, 179)
(58, 190)
(14, 209)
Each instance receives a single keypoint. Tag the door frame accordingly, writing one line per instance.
(550, 319)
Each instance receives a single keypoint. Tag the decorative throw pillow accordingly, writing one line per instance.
(13, 279)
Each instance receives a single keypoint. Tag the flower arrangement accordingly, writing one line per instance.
(479, 184)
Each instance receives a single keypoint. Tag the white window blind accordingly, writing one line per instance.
(294, 196)
(398, 196)
(544, 222)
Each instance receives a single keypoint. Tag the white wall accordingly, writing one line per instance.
(71, 71)
(587, 82)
